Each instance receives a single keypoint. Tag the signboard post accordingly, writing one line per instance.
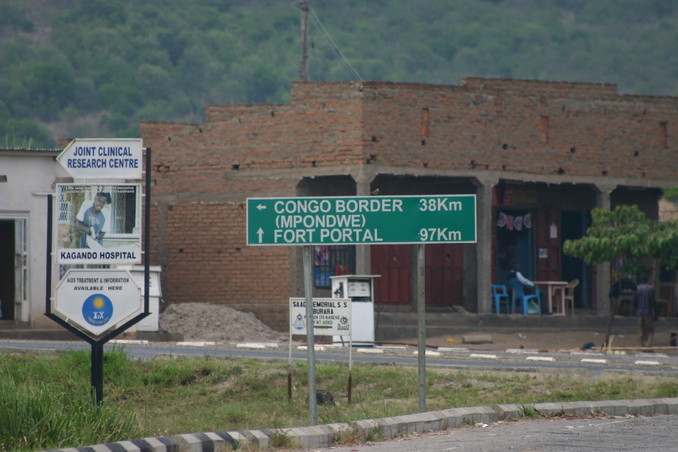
(331, 316)
(97, 158)
(371, 220)
(99, 224)
(361, 220)
(97, 300)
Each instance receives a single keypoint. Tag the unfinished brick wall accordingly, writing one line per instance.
(547, 128)
(203, 173)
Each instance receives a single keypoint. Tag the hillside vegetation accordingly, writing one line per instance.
(95, 68)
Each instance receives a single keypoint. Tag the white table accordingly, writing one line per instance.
(552, 286)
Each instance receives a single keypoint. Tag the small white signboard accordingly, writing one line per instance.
(96, 301)
(99, 158)
(331, 316)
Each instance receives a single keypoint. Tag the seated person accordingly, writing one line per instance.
(515, 274)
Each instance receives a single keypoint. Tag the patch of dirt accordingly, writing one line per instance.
(223, 324)
(215, 323)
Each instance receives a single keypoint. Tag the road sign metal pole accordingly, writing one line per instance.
(308, 293)
(421, 317)
(362, 220)
(147, 232)
(117, 159)
(97, 373)
(48, 263)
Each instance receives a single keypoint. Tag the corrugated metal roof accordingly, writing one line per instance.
(30, 150)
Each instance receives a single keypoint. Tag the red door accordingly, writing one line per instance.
(396, 264)
(393, 264)
(444, 275)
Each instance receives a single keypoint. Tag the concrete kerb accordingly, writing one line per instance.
(509, 412)
(327, 435)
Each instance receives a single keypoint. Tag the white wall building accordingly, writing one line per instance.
(27, 177)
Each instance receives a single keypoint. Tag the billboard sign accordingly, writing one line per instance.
(96, 301)
(331, 316)
(98, 158)
(371, 220)
(98, 224)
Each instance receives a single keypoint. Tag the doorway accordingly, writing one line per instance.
(13, 267)
(515, 243)
(7, 269)
(574, 226)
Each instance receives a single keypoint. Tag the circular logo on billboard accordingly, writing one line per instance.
(97, 309)
(299, 323)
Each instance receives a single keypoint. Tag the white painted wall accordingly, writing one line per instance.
(31, 177)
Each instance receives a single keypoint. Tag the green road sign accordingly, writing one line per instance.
(375, 220)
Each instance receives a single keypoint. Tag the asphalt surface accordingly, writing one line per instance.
(456, 357)
(656, 433)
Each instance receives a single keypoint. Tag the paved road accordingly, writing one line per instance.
(523, 360)
(648, 434)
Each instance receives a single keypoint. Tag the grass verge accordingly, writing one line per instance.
(45, 401)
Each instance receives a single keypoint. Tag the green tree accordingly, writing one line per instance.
(51, 88)
(626, 236)
(120, 59)
(21, 133)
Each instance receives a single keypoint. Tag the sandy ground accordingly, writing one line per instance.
(219, 323)
(215, 323)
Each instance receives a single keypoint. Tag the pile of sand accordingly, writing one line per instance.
(215, 323)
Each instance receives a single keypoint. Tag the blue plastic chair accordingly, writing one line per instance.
(500, 296)
(518, 293)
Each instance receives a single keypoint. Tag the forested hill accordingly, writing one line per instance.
(95, 68)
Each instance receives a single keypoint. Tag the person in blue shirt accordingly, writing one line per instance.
(515, 274)
(645, 310)
(92, 222)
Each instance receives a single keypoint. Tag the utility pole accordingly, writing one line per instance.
(303, 69)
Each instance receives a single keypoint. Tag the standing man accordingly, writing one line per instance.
(644, 304)
(91, 223)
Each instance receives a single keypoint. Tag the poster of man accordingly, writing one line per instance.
(98, 224)
(91, 221)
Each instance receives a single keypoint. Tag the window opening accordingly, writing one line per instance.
(332, 261)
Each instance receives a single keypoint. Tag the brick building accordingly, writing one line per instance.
(538, 156)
